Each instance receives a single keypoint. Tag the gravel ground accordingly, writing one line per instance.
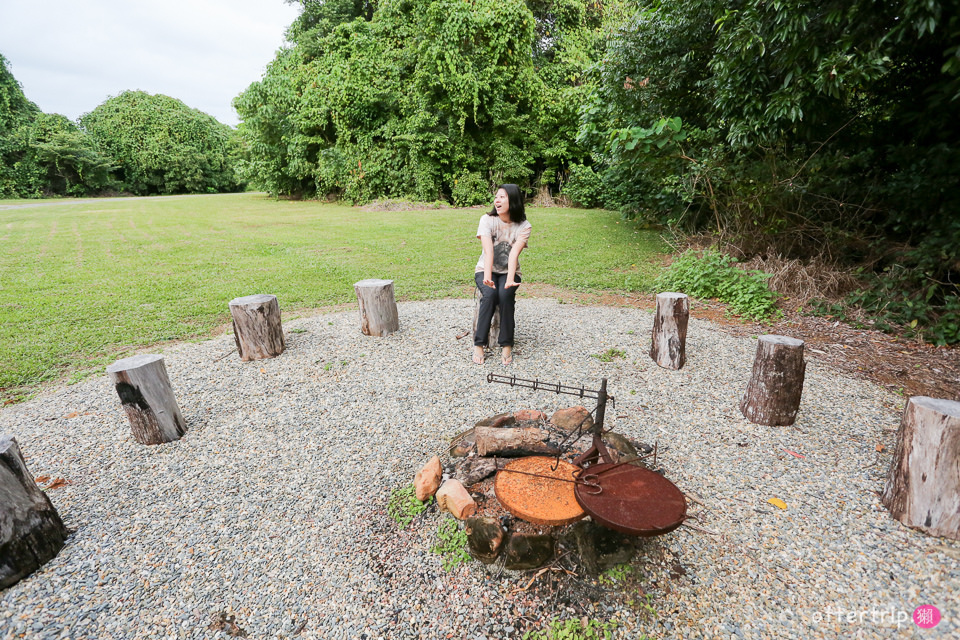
(272, 507)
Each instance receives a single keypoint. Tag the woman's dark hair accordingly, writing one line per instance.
(514, 201)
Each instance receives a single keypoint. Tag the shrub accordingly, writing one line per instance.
(713, 275)
(470, 189)
(584, 187)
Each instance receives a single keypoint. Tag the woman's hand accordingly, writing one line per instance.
(488, 280)
(510, 283)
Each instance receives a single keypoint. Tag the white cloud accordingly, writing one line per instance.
(71, 56)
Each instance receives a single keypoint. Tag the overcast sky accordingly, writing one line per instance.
(71, 55)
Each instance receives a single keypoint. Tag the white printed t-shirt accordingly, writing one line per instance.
(504, 236)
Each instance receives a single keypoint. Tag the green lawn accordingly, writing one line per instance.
(84, 283)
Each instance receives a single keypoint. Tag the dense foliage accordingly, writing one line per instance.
(711, 274)
(794, 128)
(160, 145)
(134, 142)
(422, 98)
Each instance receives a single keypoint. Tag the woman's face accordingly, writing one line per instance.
(501, 203)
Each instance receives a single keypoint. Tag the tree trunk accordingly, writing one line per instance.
(668, 349)
(31, 531)
(147, 397)
(256, 327)
(773, 393)
(524, 441)
(923, 485)
(378, 307)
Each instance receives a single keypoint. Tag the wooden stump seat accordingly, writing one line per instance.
(494, 333)
(31, 531)
(668, 348)
(256, 327)
(378, 307)
(923, 484)
(776, 385)
(147, 398)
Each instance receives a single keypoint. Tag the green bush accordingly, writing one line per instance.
(470, 189)
(584, 187)
(713, 275)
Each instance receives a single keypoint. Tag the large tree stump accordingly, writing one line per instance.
(513, 442)
(147, 397)
(256, 327)
(378, 307)
(923, 485)
(773, 393)
(494, 333)
(668, 348)
(31, 531)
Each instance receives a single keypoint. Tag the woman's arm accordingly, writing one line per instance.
(512, 263)
(487, 243)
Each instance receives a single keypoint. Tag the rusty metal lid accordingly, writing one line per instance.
(531, 490)
(633, 500)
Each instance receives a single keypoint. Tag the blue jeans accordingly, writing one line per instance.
(490, 299)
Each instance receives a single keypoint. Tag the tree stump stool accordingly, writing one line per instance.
(378, 307)
(147, 398)
(773, 393)
(494, 334)
(256, 327)
(923, 486)
(31, 531)
(668, 348)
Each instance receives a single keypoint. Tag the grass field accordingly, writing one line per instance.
(83, 283)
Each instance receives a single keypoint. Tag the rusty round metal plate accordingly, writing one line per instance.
(633, 500)
(537, 499)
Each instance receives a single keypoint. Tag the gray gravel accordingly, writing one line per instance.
(271, 508)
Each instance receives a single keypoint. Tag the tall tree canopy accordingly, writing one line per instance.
(421, 98)
(160, 145)
(794, 127)
(878, 81)
(134, 142)
(16, 115)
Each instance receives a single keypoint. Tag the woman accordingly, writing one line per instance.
(503, 234)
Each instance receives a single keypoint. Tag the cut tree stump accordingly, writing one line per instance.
(31, 531)
(378, 307)
(923, 485)
(494, 334)
(513, 442)
(773, 393)
(256, 327)
(668, 348)
(147, 397)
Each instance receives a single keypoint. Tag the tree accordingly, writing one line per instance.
(72, 164)
(423, 99)
(159, 145)
(16, 115)
(807, 128)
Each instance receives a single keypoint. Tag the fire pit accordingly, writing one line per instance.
(547, 493)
